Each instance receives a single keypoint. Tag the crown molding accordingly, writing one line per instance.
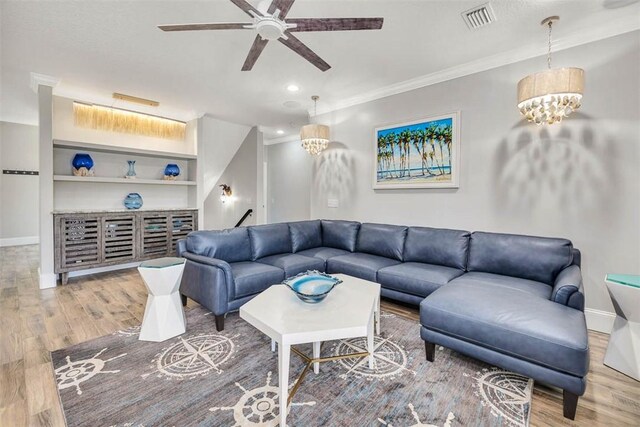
(605, 30)
(42, 80)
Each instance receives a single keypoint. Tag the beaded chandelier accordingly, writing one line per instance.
(314, 137)
(553, 94)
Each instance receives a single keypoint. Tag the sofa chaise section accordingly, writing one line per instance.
(517, 307)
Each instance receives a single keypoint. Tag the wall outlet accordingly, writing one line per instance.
(332, 203)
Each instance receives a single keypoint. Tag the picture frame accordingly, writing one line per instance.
(423, 153)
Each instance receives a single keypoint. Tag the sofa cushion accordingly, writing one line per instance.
(305, 235)
(527, 257)
(340, 234)
(323, 252)
(364, 266)
(437, 246)
(381, 239)
(270, 239)
(498, 282)
(416, 278)
(293, 264)
(510, 322)
(231, 245)
(250, 278)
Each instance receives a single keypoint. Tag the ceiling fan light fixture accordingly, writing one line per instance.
(271, 23)
(270, 29)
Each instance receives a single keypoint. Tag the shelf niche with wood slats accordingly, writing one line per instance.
(101, 239)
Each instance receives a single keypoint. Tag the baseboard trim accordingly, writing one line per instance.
(19, 241)
(48, 280)
(598, 320)
(89, 271)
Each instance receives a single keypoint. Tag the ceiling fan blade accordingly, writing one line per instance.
(242, 4)
(254, 53)
(335, 24)
(282, 5)
(199, 27)
(301, 49)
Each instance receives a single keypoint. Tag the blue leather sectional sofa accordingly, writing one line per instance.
(509, 300)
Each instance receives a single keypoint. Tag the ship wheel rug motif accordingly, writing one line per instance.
(258, 407)
(74, 373)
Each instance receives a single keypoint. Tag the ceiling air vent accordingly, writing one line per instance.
(479, 16)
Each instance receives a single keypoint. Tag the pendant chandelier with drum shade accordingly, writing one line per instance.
(553, 94)
(314, 137)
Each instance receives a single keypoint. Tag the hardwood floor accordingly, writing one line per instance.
(35, 322)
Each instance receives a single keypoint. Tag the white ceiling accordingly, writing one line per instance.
(99, 47)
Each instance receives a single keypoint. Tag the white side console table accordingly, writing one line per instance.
(163, 316)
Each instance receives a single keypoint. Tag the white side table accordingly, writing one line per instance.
(623, 351)
(163, 315)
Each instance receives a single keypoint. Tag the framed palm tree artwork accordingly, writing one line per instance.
(418, 154)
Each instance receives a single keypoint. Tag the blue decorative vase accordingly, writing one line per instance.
(82, 165)
(131, 173)
(133, 201)
(171, 171)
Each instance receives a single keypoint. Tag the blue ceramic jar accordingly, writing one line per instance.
(133, 201)
(82, 160)
(172, 170)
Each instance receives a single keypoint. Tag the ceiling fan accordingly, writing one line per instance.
(270, 23)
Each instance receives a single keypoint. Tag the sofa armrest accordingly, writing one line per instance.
(213, 262)
(567, 289)
(209, 281)
(181, 247)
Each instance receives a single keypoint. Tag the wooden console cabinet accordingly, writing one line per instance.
(98, 239)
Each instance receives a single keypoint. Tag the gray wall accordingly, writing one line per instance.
(579, 179)
(289, 181)
(18, 193)
(242, 175)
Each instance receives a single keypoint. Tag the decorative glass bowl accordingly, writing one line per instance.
(133, 201)
(312, 286)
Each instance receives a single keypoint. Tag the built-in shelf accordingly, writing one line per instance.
(76, 145)
(94, 179)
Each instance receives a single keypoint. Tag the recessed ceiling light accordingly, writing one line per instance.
(293, 88)
(292, 104)
(279, 131)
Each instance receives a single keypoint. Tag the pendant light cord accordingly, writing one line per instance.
(315, 104)
(549, 47)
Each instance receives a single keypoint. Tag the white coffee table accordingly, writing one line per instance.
(351, 310)
(163, 315)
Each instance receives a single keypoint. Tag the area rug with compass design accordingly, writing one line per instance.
(229, 378)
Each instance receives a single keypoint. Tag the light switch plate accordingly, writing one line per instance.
(332, 203)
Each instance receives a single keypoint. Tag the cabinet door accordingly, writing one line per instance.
(118, 234)
(80, 242)
(182, 223)
(155, 239)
